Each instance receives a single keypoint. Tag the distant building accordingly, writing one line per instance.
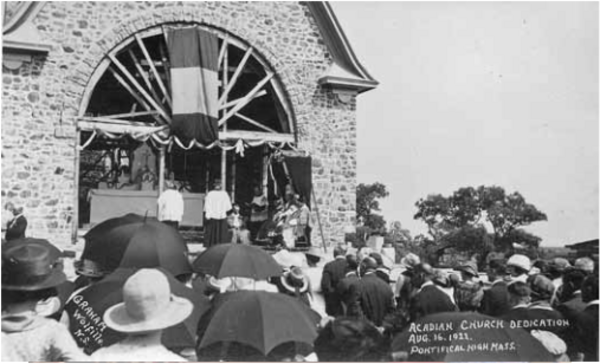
(587, 248)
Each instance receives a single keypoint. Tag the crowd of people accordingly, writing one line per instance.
(367, 302)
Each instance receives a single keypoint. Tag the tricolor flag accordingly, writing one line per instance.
(194, 57)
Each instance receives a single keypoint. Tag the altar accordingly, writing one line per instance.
(110, 203)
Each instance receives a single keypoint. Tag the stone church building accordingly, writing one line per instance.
(87, 97)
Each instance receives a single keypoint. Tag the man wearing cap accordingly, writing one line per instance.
(584, 264)
(556, 271)
(429, 299)
(403, 290)
(375, 296)
(216, 205)
(147, 309)
(495, 298)
(518, 267)
(468, 271)
(333, 272)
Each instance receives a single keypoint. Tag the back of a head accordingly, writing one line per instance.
(377, 258)
(589, 288)
(368, 265)
(542, 287)
(352, 262)
(574, 278)
(468, 296)
(350, 340)
(519, 292)
(340, 250)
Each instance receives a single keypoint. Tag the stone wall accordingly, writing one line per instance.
(41, 100)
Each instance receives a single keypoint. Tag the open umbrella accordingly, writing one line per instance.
(87, 308)
(467, 337)
(237, 260)
(258, 319)
(134, 241)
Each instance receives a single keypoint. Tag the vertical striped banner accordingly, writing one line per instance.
(194, 57)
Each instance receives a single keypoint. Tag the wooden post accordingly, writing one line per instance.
(265, 171)
(75, 222)
(316, 205)
(233, 157)
(223, 169)
(161, 170)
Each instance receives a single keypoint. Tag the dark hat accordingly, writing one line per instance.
(54, 252)
(542, 287)
(90, 268)
(519, 289)
(30, 267)
(295, 279)
(377, 258)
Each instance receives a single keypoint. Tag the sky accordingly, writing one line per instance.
(481, 93)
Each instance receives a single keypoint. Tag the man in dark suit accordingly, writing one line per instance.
(17, 226)
(495, 299)
(349, 288)
(570, 295)
(586, 322)
(376, 297)
(429, 299)
(333, 272)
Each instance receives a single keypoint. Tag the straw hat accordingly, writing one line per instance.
(294, 280)
(148, 305)
(410, 261)
(585, 264)
(519, 261)
(220, 285)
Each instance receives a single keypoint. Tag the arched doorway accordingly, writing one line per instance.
(125, 119)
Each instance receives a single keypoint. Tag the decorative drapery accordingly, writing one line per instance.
(194, 55)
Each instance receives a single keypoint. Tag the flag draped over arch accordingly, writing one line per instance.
(194, 54)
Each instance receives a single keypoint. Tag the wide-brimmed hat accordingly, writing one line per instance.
(30, 267)
(520, 261)
(220, 285)
(295, 280)
(410, 261)
(560, 264)
(286, 259)
(314, 252)
(148, 305)
(585, 264)
(469, 267)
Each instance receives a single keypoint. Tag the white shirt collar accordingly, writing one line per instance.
(593, 302)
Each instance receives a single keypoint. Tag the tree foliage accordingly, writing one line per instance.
(460, 220)
(367, 205)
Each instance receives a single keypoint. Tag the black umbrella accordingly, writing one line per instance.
(87, 308)
(261, 320)
(134, 241)
(237, 260)
(467, 337)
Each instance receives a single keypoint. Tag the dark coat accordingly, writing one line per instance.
(376, 298)
(429, 300)
(586, 332)
(333, 273)
(349, 292)
(571, 308)
(495, 300)
(16, 228)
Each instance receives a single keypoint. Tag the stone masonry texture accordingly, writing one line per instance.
(41, 101)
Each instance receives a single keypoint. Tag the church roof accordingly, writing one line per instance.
(346, 72)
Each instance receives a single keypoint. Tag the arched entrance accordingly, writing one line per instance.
(127, 150)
